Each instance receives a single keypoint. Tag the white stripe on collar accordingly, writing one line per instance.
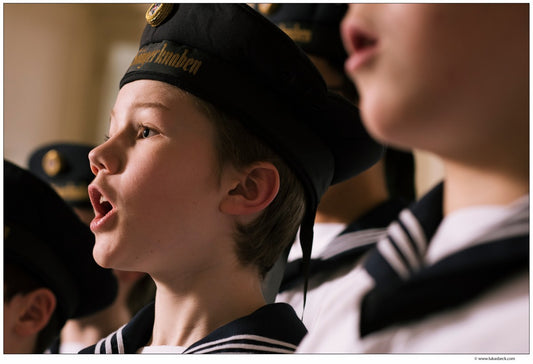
(106, 341)
(403, 243)
(120, 340)
(352, 240)
(98, 345)
(248, 347)
(414, 228)
(410, 244)
(214, 345)
(389, 253)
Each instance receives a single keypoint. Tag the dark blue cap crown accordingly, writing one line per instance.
(235, 58)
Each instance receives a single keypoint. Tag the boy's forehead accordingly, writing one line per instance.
(150, 91)
(149, 94)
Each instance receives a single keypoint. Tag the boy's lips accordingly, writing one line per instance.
(360, 45)
(104, 210)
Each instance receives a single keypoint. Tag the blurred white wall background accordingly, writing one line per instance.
(62, 66)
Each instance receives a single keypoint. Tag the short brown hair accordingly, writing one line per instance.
(261, 242)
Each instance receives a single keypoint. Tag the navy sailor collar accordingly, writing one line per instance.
(406, 290)
(357, 238)
(274, 328)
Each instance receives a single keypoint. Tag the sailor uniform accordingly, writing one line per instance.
(333, 256)
(317, 133)
(458, 285)
(272, 329)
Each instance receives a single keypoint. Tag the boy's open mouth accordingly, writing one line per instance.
(100, 203)
(360, 40)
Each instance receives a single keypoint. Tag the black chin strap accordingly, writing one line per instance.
(306, 242)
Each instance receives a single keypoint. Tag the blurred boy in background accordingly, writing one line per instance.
(49, 273)
(452, 275)
(353, 214)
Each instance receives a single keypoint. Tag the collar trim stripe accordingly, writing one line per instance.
(112, 344)
(403, 243)
(97, 348)
(413, 227)
(244, 347)
(387, 249)
(352, 240)
(108, 346)
(253, 338)
(120, 341)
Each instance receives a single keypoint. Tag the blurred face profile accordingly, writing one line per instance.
(451, 68)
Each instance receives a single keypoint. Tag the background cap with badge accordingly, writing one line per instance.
(66, 167)
(315, 28)
(233, 57)
(44, 236)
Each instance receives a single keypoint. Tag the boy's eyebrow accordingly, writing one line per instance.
(150, 105)
(146, 105)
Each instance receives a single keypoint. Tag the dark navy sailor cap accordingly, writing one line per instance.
(314, 27)
(233, 57)
(46, 238)
(66, 167)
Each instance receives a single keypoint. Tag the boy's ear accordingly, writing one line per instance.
(35, 312)
(255, 188)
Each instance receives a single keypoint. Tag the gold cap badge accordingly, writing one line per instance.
(157, 13)
(267, 9)
(52, 163)
(72, 192)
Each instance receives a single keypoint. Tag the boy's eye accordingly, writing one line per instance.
(147, 132)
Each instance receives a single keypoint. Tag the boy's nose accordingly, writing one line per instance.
(94, 159)
(101, 159)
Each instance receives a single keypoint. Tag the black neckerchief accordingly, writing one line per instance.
(406, 290)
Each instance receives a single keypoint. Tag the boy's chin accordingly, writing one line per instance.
(102, 256)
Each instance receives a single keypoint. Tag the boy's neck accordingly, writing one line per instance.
(183, 317)
(467, 185)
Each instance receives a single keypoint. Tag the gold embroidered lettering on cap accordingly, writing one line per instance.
(72, 192)
(267, 9)
(52, 163)
(297, 33)
(157, 13)
(167, 58)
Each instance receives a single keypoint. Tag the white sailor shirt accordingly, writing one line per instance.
(332, 257)
(435, 286)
